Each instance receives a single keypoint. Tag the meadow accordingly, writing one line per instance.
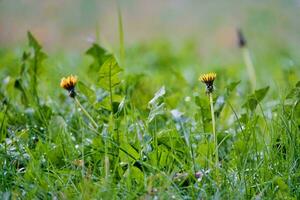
(137, 123)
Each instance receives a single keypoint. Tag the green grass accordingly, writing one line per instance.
(153, 136)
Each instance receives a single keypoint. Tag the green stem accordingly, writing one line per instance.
(193, 159)
(121, 35)
(86, 113)
(250, 67)
(156, 143)
(34, 85)
(83, 162)
(110, 91)
(106, 157)
(188, 143)
(106, 163)
(2, 123)
(95, 125)
(111, 103)
(214, 131)
(206, 137)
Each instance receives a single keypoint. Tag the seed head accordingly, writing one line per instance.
(208, 79)
(241, 39)
(69, 84)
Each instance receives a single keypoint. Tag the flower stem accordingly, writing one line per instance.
(214, 131)
(86, 113)
(95, 125)
(250, 67)
(83, 161)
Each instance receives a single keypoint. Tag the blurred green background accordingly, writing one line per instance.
(211, 23)
(191, 37)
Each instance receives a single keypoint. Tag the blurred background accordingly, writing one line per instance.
(191, 35)
(73, 23)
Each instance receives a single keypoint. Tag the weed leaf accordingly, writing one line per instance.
(33, 42)
(254, 99)
(109, 73)
(99, 55)
(88, 93)
(154, 101)
(155, 105)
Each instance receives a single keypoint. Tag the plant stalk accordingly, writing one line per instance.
(121, 35)
(95, 125)
(214, 131)
(250, 67)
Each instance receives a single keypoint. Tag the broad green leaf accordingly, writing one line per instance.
(99, 55)
(89, 93)
(261, 93)
(254, 99)
(33, 42)
(244, 118)
(30, 68)
(25, 56)
(222, 99)
(231, 86)
(281, 183)
(292, 104)
(127, 150)
(109, 73)
(135, 174)
(18, 85)
(295, 92)
(39, 55)
(106, 104)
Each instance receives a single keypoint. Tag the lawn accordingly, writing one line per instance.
(141, 121)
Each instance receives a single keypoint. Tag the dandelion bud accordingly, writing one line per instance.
(241, 39)
(69, 84)
(208, 79)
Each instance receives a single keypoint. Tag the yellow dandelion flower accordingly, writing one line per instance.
(69, 84)
(208, 79)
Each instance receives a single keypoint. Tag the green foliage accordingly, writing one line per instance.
(155, 105)
(153, 137)
(109, 73)
(99, 55)
(33, 43)
(27, 82)
(254, 99)
(87, 92)
(204, 112)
